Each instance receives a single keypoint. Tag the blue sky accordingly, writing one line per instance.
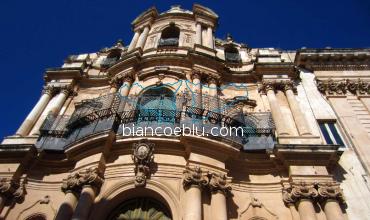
(39, 34)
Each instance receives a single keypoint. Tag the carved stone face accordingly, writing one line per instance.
(142, 151)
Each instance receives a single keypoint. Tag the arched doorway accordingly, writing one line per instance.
(141, 208)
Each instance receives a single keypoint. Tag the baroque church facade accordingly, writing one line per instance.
(299, 149)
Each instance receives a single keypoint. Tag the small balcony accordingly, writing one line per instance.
(112, 112)
(168, 42)
(232, 57)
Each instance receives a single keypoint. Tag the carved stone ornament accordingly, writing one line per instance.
(298, 191)
(330, 191)
(218, 183)
(194, 177)
(341, 87)
(74, 182)
(282, 85)
(143, 158)
(12, 189)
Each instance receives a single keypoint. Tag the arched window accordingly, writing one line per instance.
(232, 54)
(157, 104)
(170, 36)
(141, 209)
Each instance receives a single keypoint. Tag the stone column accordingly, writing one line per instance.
(2, 202)
(303, 195)
(330, 195)
(193, 183)
(113, 87)
(197, 90)
(198, 37)
(36, 112)
(277, 115)
(125, 88)
(209, 37)
(54, 109)
(70, 188)
(219, 190)
(204, 37)
(142, 38)
(134, 41)
(90, 181)
(298, 115)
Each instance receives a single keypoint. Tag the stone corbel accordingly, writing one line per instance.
(194, 177)
(71, 183)
(143, 158)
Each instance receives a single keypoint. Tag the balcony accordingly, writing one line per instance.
(232, 57)
(168, 42)
(112, 112)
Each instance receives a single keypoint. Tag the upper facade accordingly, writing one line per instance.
(302, 122)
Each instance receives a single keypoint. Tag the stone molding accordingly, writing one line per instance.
(312, 191)
(282, 85)
(12, 189)
(143, 158)
(332, 87)
(88, 177)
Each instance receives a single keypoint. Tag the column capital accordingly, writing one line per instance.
(196, 75)
(299, 191)
(267, 86)
(91, 177)
(67, 90)
(212, 80)
(71, 183)
(12, 189)
(49, 89)
(330, 191)
(218, 183)
(194, 177)
(288, 85)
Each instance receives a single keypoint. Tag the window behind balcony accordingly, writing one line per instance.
(170, 37)
(232, 54)
(331, 133)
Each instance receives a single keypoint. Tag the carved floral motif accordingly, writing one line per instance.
(12, 189)
(282, 85)
(330, 190)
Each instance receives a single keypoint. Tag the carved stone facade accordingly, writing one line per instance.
(146, 130)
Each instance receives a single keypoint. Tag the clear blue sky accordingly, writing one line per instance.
(39, 34)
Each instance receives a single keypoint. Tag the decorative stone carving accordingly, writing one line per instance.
(299, 191)
(92, 177)
(218, 183)
(12, 189)
(143, 158)
(340, 87)
(194, 177)
(49, 89)
(282, 85)
(74, 182)
(71, 184)
(330, 190)
(255, 209)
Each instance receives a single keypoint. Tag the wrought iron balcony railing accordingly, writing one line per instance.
(168, 42)
(112, 112)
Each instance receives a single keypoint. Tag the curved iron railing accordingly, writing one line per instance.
(112, 112)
